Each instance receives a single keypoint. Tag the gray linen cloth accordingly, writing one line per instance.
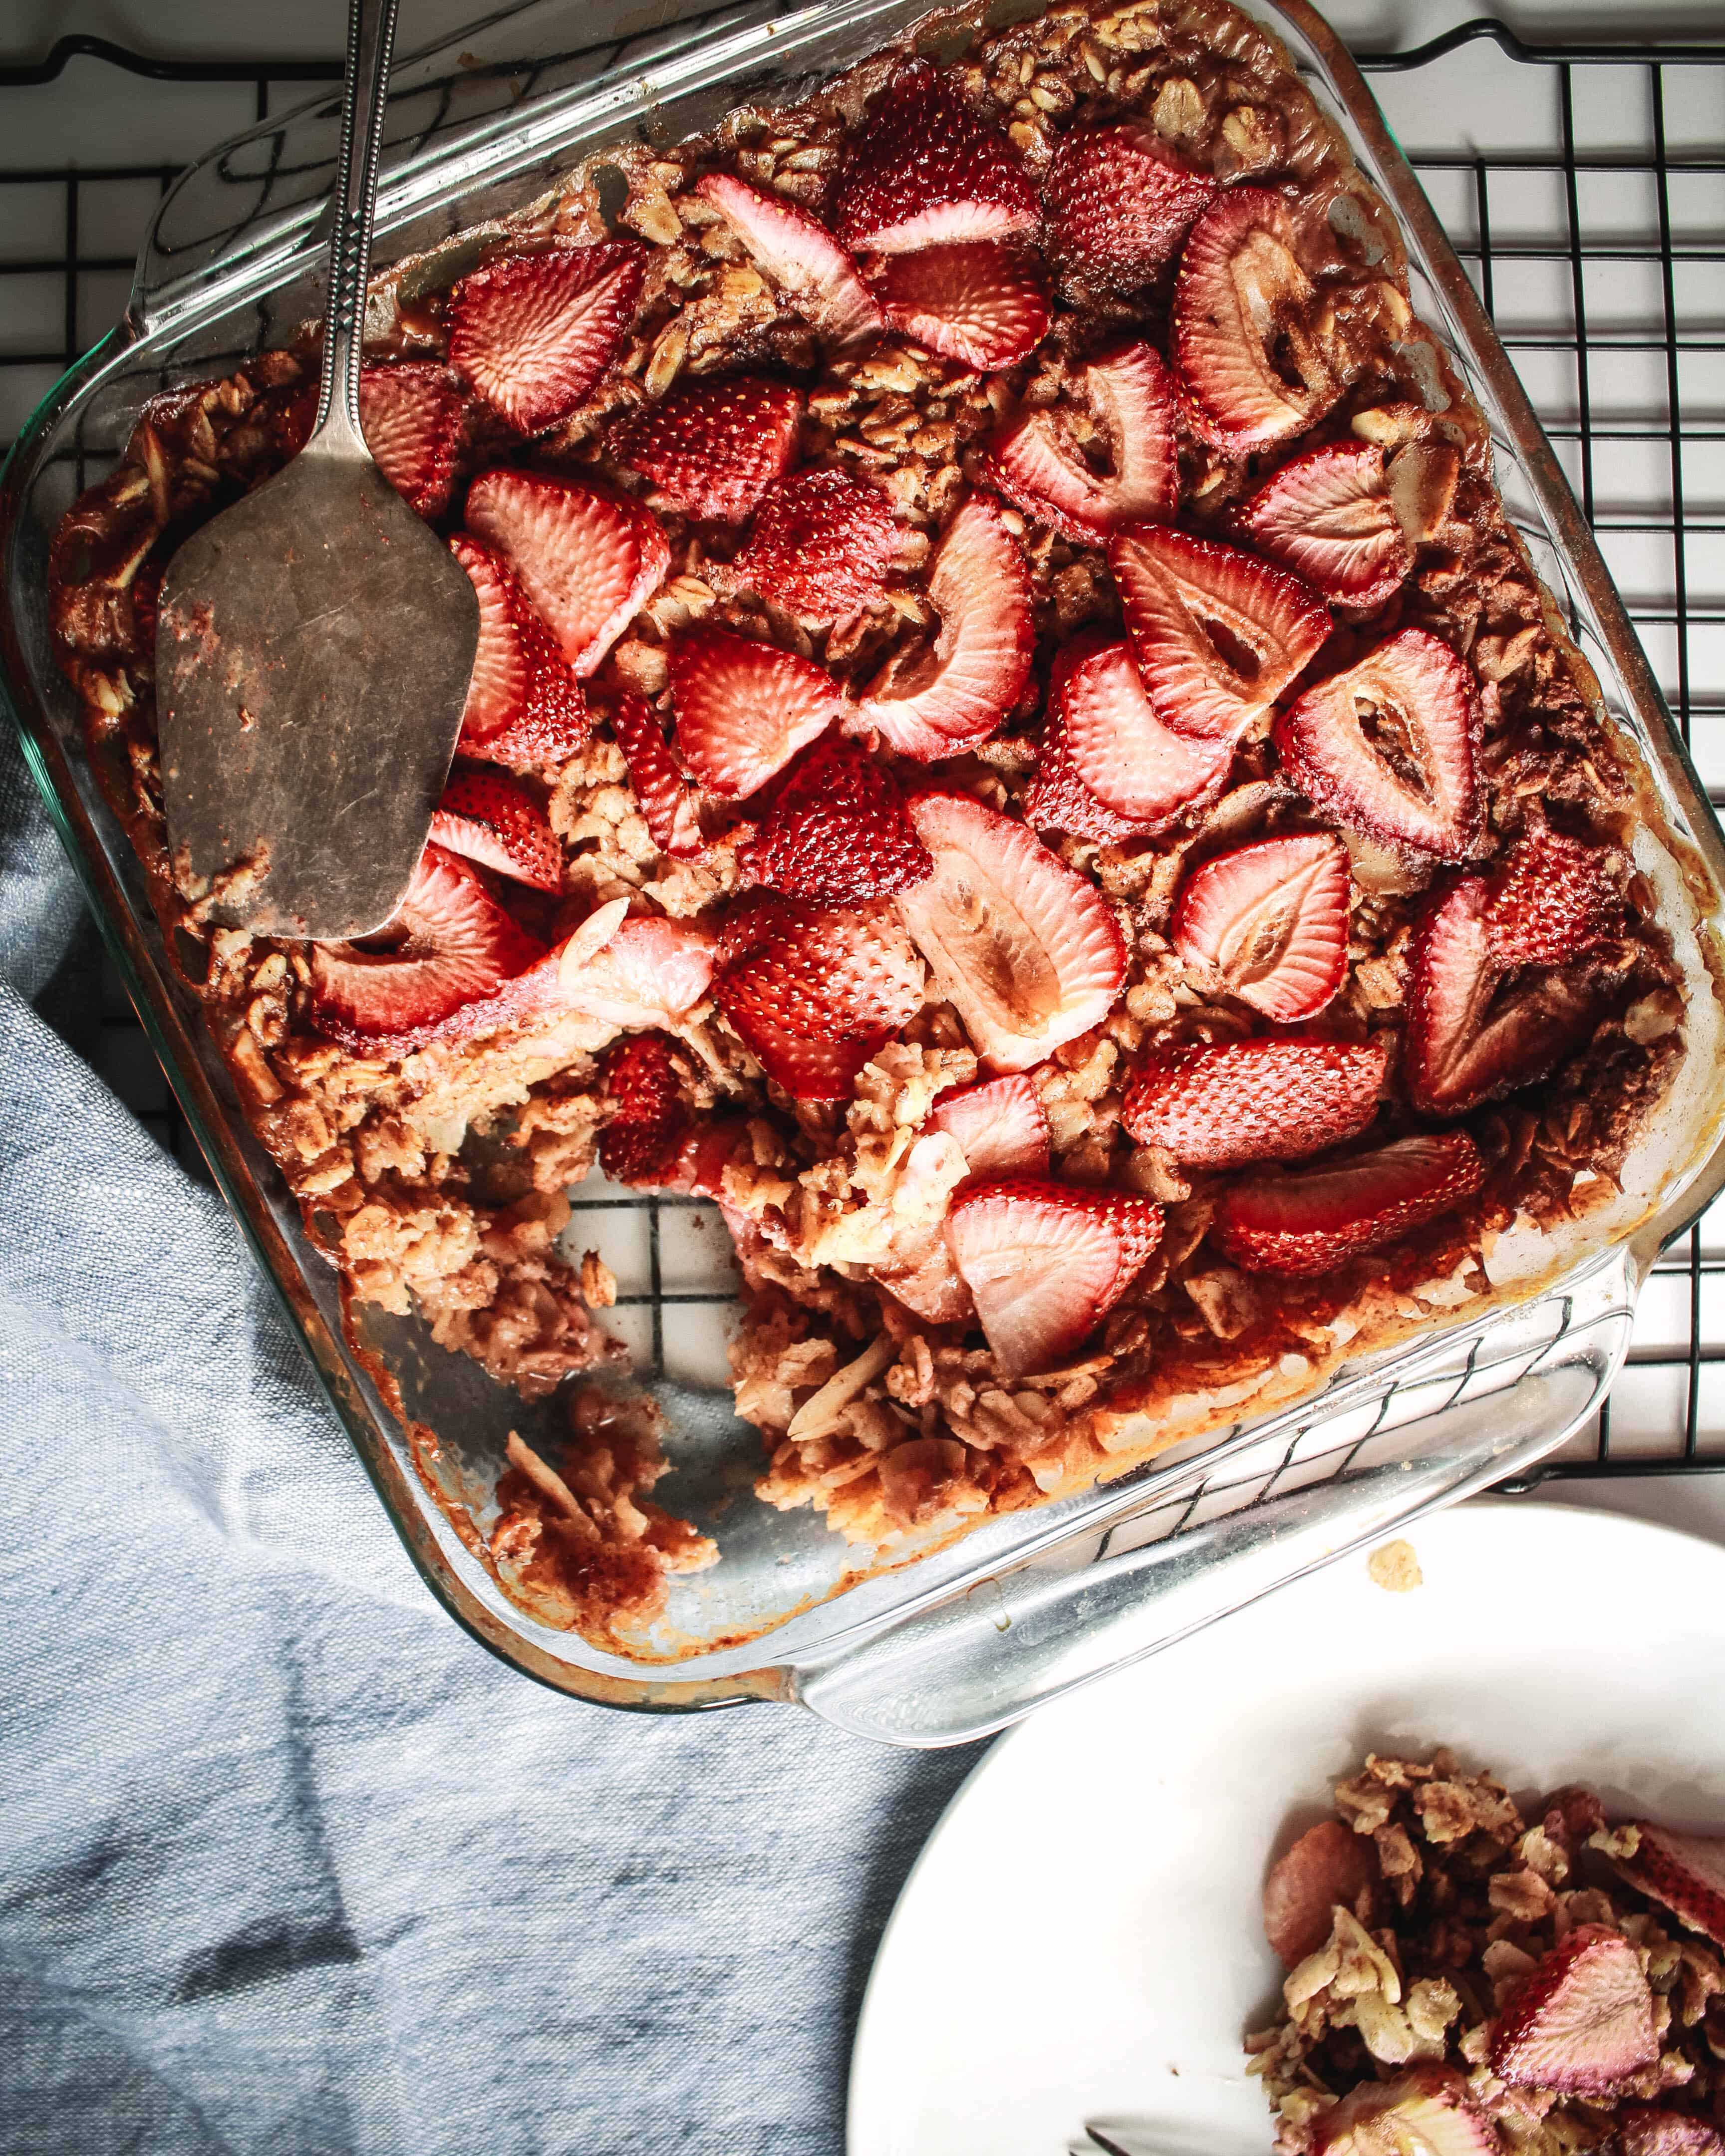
(287, 1862)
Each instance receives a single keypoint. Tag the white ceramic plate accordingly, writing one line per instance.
(1080, 1940)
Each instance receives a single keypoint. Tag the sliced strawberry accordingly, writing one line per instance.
(820, 547)
(1391, 747)
(1686, 1871)
(1000, 1125)
(1645, 2130)
(1329, 1863)
(496, 821)
(534, 333)
(744, 708)
(1046, 1262)
(1272, 919)
(1026, 949)
(449, 944)
(714, 448)
(1581, 2020)
(1469, 1037)
(650, 973)
(1129, 396)
(1328, 517)
(1217, 633)
(1121, 752)
(1057, 799)
(1311, 1222)
(524, 704)
(642, 1139)
(803, 259)
(668, 809)
(1427, 2111)
(923, 170)
(941, 701)
(835, 830)
(1248, 336)
(414, 420)
(1253, 1100)
(1119, 208)
(588, 562)
(822, 973)
(984, 305)
(1551, 900)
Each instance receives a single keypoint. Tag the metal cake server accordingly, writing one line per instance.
(317, 638)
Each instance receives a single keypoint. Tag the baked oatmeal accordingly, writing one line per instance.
(1463, 1980)
(1012, 747)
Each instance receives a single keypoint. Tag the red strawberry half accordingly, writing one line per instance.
(534, 333)
(713, 449)
(1310, 1223)
(1271, 919)
(1001, 1125)
(1468, 1036)
(668, 809)
(940, 700)
(1329, 1863)
(1582, 2020)
(524, 704)
(1218, 635)
(1121, 752)
(643, 1140)
(1253, 1100)
(414, 420)
(1551, 900)
(1427, 2111)
(588, 562)
(1390, 748)
(498, 822)
(820, 547)
(816, 990)
(923, 169)
(1046, 1263)
(803, 259)
(1686, 1871)
(744, 708)
(835, 831)
(1130, 398)
(1327, 516)
(1247, 339)
(1026, 949)
(449, 945)
(1119, 208)
(983, 306)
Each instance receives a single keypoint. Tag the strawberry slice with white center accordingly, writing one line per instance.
(1130, 398)
(744, 708)
(1000, 1125)
(668, 809)
(498, 822)
(820, 547)
(1552, 899)
(1468, 1036)
(534, 333)
(1686, 1871)
(1026, 949)
(650, 971)
(924, 170)
(815, 991)
(414, 420)
(803, 260)
(1427, 2111)
(1216, 1107)
(1309, 1223)
(1391, 747)
(1046, 1262)
(942, 701)
(714, 448)
(1119, 208)
(1057, 799)
(523, 705)
(1218, 635)
(985, 306)
(1271, 920)
(588, 562)
(1120, 751)
(1580, 2020)
(450, 943)
(1256, 363)
(1328, 517)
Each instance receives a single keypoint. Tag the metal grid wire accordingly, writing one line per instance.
(1594, 228)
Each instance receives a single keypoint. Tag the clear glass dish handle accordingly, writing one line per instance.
(971, 1665)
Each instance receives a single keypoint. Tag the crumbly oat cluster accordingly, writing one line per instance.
(830, 481)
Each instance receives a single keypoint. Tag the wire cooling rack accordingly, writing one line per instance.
(1583, 185)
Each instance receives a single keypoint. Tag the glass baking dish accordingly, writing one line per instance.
(958, 1640)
